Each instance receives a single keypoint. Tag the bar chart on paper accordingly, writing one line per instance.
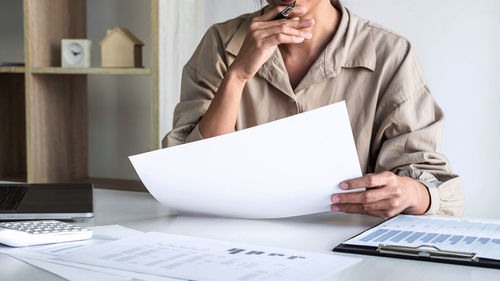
(452, 234)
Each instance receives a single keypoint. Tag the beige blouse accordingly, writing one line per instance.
(396, 123)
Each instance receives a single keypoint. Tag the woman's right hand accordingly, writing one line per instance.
(263, 37)
(261, 41)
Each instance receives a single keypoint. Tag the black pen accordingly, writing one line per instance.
(286, 12)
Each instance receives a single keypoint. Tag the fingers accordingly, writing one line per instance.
(385, 208)
(386, 196)
(368, 196)
(281, 38)
(284, 32)
(369, 181)
(272, 33)
(297, 23)
(298, 11)
(362, 208)
(283, 29)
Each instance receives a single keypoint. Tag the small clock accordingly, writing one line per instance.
(75, 52)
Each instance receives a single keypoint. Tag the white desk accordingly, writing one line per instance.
(316, 233)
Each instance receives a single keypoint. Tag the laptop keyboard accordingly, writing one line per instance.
(11, 197)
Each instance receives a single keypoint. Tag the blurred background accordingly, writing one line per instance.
(456, 41)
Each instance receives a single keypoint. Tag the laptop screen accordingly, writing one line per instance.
(45, 199)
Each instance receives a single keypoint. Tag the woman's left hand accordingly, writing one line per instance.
(386, 195)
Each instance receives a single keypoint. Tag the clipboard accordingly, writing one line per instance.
(428, 253)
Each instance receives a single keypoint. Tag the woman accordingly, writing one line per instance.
(253, 69)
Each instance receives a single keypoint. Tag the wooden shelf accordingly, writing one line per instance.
(92, 70)
(12, 69)
(44, 116)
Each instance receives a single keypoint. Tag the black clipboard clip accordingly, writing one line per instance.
(427, 251)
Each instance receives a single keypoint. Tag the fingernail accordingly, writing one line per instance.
(300, 9)
(335, 199)
(344, 185)
(308, 35)
(310, 21)
(335, 209)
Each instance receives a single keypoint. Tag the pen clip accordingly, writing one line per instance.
(287, 10)
(428, 252)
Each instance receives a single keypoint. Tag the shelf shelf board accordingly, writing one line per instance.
(12, 69)
(91, 70)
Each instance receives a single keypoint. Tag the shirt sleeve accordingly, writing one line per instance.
(201, 78)
(408, 139)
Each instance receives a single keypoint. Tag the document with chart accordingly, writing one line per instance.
(193, 258)
(285, 168)
(481, 237)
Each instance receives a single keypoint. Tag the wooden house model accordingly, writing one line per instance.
(121, 48)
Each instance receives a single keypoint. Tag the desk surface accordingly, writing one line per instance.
(315, 233)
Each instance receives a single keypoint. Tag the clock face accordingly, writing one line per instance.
(74, 53)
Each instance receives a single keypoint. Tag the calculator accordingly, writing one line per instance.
(29, 233)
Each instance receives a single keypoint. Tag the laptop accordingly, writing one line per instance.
(45, 201)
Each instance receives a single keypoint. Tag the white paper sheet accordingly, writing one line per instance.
(100, 235)
(210, 260)
(70, 272)
(284, 168)
(451, 234)
(43, 257)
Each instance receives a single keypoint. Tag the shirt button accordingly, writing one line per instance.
(292, 100)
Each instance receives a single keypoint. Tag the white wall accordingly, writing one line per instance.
(458, 43)
(222, 10)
